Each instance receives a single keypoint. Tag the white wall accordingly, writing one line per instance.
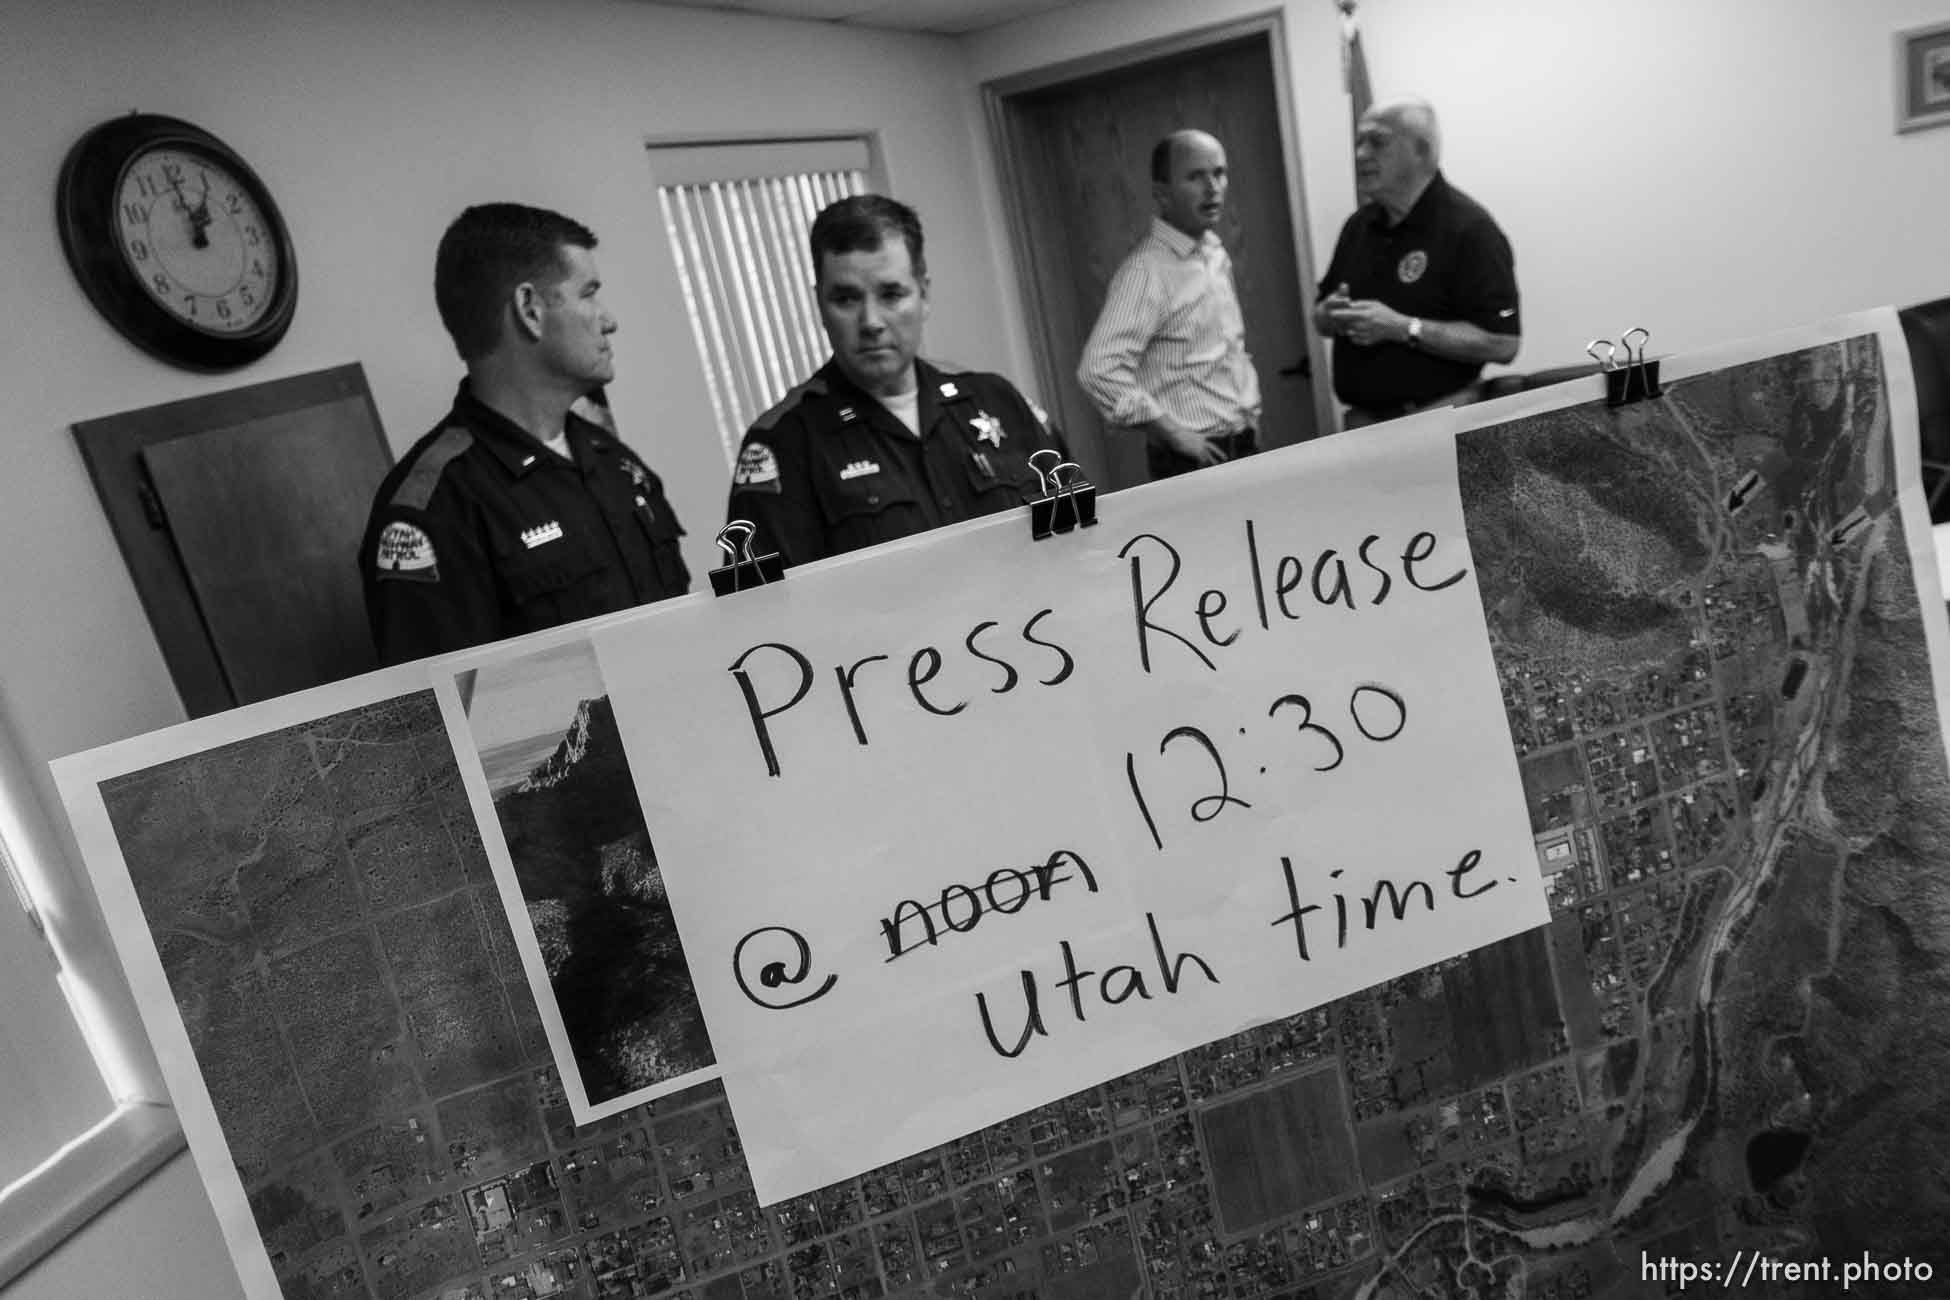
(1707, 170)
(375, 122)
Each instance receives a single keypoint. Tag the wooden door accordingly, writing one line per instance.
(239, 515)
(1080, 160)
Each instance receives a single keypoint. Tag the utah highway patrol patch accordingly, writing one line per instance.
(405, 552)
(758, 469)
(1411, 267)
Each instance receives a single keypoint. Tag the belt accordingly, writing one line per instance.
(1395, 411)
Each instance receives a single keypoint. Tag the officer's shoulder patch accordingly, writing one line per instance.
(405, 551)
(416, 489)
(757, 469)
(814, 387)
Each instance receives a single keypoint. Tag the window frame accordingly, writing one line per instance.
(140, 1132)
(687, 162)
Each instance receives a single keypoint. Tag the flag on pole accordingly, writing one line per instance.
(1354, 63)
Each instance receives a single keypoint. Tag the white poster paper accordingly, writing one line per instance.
(955, 831)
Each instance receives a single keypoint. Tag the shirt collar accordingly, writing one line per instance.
(1180, 243)
(516, 448)
(833, 379)
(1422, 212)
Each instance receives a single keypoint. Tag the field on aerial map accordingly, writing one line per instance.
(1729, 1038)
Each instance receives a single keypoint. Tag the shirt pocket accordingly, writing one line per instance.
(666, 552)
(873, 508)
(1008, 480)
(544, 586)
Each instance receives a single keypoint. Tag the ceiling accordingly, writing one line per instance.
(951, 17)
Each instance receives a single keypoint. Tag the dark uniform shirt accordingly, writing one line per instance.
(481, 532)
(1446, 260)
(830, 470)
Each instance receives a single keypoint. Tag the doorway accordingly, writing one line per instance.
(1074, 149)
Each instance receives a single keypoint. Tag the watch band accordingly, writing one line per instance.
(1415, 331)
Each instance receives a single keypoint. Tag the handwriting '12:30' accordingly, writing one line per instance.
(1377, 712)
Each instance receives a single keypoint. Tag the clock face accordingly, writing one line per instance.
(177, 241)
(196, 240)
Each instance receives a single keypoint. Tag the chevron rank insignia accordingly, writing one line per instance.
(405, 552)
(987, 428)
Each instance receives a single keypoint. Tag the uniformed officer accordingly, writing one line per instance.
(516, 512)
(878, 444)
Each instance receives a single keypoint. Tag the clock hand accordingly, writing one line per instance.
(200, 220)
(199, 216)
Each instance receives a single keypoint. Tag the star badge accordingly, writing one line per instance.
(987, 429)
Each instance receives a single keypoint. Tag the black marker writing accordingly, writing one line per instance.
(776, 974)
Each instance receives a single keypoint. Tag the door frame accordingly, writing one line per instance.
(997, 97)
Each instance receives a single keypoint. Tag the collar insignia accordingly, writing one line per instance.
(987, 428)
(949, 390)
(858, 469)
(541, 534)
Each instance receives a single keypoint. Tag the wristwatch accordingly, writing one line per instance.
(1415, 331)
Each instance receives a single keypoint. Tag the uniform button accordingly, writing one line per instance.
(640, 501)
(872, 500)
(945, 503)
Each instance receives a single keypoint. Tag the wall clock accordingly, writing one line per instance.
(177, 242)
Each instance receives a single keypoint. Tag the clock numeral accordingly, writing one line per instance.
(257, 269)
(173, 173)
(189, 301)
(139, 249)
(244, 292)
(161, 282)
(234, 203)
(146, 186)
(135, 214)
(251, 236)
(223, 309)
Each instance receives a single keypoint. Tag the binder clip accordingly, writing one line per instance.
(1069, 500)
(1636, 379)
(745, 570)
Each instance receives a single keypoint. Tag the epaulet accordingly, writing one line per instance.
(416, 489)
(814, 387)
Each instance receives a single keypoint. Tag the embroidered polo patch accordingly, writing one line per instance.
(405, 552)
(1410, 269)
(758, 469)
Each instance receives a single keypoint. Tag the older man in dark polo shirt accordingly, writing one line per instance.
(1422, 289)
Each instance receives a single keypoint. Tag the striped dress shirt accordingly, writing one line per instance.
(1170, 339)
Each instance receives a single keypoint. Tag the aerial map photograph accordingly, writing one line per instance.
(1726, 1045)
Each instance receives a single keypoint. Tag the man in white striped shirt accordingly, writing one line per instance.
(1168, 354)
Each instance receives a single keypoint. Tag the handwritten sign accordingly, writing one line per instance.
(960, 826)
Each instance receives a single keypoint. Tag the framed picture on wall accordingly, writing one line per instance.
(1923, 77)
